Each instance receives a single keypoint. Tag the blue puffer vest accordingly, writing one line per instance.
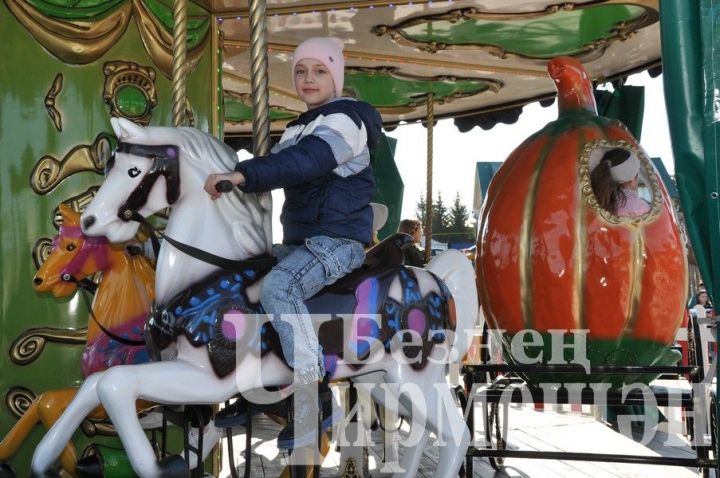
(319, 201)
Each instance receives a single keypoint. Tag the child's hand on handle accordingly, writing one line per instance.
(216, 184)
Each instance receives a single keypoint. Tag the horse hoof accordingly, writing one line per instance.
(174, 467)
(90, 467)
(7, 471)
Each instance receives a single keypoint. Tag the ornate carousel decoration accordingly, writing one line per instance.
(589, 158)
(18, 400)
(28, 346)
(48, 172)
(562, 29)
(130, 90)
(84, 33)
(50, 97)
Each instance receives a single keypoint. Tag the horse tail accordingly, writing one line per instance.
(457, 273)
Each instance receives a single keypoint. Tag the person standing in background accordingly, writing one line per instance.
(413, 255)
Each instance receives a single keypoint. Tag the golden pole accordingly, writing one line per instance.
(179, 70)
(259, 89)
(216, 98)
(259, 76)
(428, 181)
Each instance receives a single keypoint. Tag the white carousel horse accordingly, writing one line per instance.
(157, 167)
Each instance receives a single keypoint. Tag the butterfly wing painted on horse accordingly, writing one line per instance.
(361, 315)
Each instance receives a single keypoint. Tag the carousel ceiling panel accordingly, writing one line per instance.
(473, 56)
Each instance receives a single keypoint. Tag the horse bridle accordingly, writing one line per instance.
(164, 163)
(90, 247)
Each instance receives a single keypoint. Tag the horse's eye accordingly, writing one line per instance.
(71, 247)
(133, 172)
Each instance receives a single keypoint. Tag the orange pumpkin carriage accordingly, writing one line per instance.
(582, 300)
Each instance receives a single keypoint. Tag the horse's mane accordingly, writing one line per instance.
(133, 286)
(247, 214)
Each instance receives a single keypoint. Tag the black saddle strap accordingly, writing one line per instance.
(257, 263)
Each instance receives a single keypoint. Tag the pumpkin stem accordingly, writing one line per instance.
(575, 90)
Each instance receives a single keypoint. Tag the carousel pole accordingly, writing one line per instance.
(259, 75)
(179, 70)
(259, 90)
(428, 193)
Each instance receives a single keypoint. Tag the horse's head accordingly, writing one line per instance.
(155, 167)
(141, 176)
(73, 257)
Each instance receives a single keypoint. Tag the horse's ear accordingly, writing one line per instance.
(125, 129)
(69, 216)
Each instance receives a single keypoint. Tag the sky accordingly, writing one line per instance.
(455, 154)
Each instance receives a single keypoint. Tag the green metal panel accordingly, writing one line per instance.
(627, 104)
(710, 17)
(389, 184)
(27, 133)
(682, 74)
(690, 48)
(665, 177)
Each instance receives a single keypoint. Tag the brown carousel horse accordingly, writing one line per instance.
(115, 329)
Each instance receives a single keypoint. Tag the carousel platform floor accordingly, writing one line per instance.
(544, 430)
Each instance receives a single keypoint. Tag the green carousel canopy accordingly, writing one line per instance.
(476, 58)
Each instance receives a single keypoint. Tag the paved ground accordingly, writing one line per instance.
(529, 429)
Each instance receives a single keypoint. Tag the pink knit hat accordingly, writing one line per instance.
(328, 51)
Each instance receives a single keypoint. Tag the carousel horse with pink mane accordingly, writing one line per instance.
(120, 308)
(383, 324)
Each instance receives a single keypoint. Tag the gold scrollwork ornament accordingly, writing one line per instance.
(18, 400)
(130, 91)
(52, 94)
(41, 251)
(48, 172)
(30, 344)
(77, 203)
(589, 158)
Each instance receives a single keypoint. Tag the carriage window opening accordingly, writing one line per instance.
(619, 184)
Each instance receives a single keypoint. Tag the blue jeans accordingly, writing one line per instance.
(300, 274)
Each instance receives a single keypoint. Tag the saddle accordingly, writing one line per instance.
(217, 313)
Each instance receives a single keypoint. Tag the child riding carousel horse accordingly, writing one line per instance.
(392, 329)
(323, 163)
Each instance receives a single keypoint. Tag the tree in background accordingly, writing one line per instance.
(420, 210)
(448, 225)
(440, 216)
(458, 215)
